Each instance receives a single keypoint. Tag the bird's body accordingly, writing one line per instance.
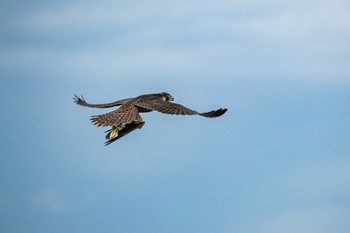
(127, 118)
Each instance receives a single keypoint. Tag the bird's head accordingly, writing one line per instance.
(166, 96)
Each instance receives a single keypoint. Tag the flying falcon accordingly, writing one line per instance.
(127, 117)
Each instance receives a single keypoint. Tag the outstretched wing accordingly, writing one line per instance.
(121, 116)
(167, 107)
(81, 101)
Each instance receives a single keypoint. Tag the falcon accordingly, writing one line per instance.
(127, 117)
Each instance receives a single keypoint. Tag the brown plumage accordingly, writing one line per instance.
(127, 118)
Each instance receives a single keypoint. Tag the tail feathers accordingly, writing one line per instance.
(118, 133)
(111, 133)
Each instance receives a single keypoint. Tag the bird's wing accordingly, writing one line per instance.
(81, 101)
(177, 109)
(121, 116)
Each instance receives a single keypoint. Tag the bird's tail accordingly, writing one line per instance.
(122, 131)
(112, 133)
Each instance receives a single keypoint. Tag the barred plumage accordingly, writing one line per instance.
(127, 118)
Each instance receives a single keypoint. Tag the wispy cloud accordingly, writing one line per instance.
(270, 20)
(300, 24)
(325, 179)
(308, 199)
(303, 38)
(50, 199)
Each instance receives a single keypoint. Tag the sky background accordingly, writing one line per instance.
(277, 161)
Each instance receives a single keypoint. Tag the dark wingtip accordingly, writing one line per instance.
(79, 100)
(214, 113)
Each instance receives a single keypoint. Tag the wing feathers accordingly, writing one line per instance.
(145, 103)
(121, 116)
(166, 107)
(214, 113)
(81, 101)
(177, 109)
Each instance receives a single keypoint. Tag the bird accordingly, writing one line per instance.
(127, 117)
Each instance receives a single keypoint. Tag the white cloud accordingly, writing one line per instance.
(294, 39)
(300, 24)
(272, 19)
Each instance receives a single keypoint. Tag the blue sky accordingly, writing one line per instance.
(277, 161)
